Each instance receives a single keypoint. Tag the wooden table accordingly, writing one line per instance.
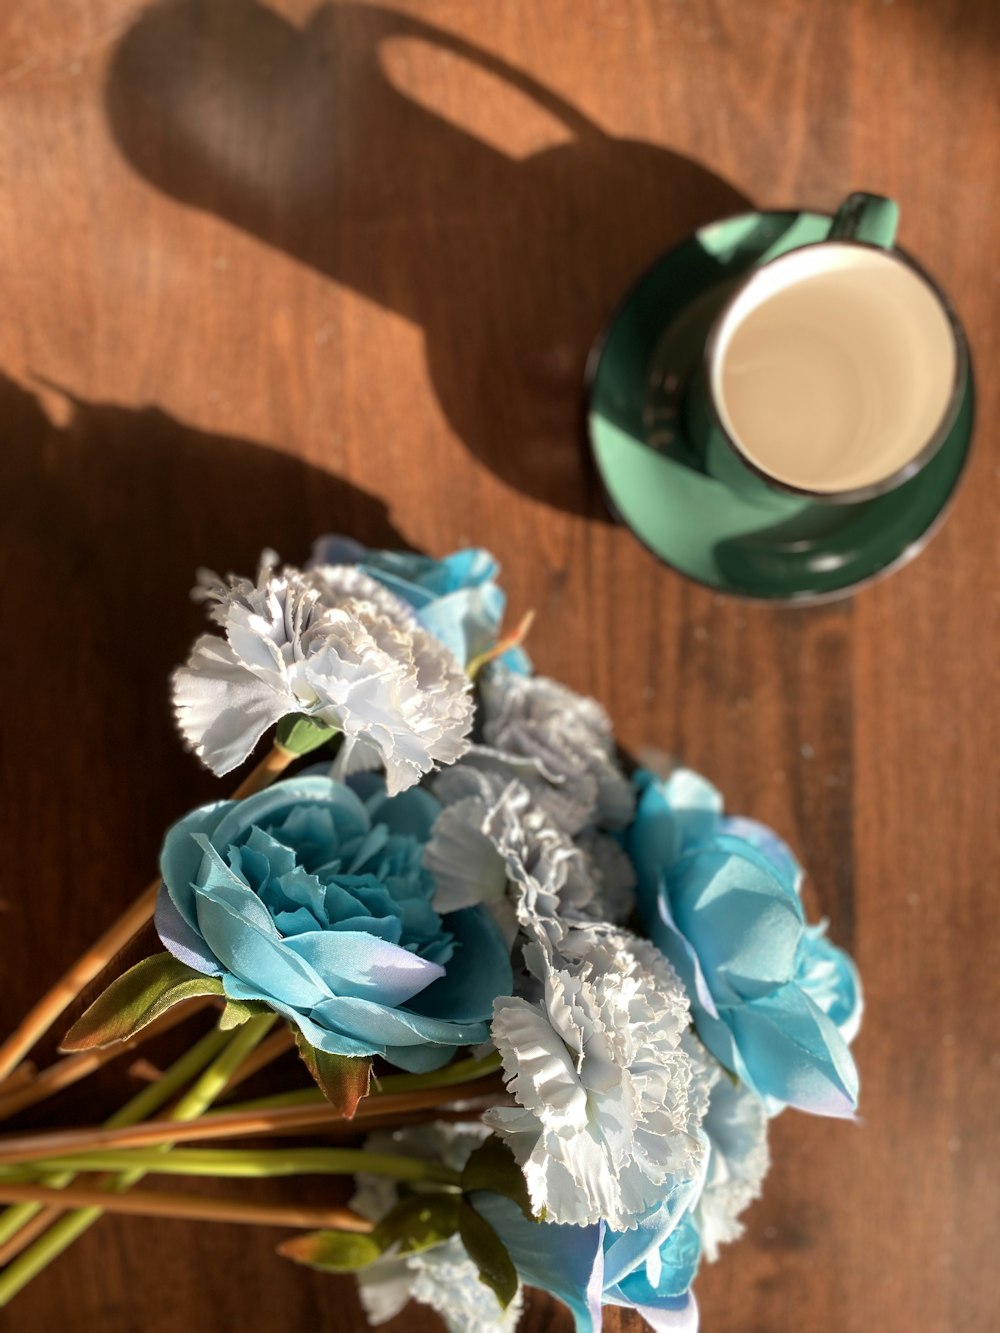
(274, 270)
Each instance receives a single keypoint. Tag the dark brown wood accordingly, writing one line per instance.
(269, 271)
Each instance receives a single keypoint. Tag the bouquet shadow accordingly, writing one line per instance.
(106, 517)
(509, 256)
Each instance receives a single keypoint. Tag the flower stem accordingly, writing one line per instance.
(250, 1164)
(57, 1000)
(232, 1051)
(192, 1207)
(145, 1103)
(462, 1071)
(72, 1068)
(281, 1120)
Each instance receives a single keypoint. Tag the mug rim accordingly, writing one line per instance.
(891, 482)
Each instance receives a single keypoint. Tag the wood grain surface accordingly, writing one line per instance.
(273, 270)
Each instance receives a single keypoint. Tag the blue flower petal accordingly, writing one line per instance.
(260, 960)
(670, 816)
(795, 1054)
(671, 1314)
(181, 857)
(183, 942)
(742, 920)
(565, 1261)
(831, 980)
(766, 841)
(269, 806)
(359, 964)
(627, 1251)
(479, 970)
(678, 1262)
(411, 814)
(316, 1034)
(395, 1027)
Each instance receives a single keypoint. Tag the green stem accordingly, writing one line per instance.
(462, 1071)
(140, 1107)
(233, 1050)
(246, 1163)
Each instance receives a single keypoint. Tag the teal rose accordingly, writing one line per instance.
(313, 898)
(772, 999)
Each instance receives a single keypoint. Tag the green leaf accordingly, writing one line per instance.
(135, 999)
(488, 1252)
(333, 1251)
(238, 1012)
(300, 734)
(492, 1167)
(343, 1079)
(419, 1221)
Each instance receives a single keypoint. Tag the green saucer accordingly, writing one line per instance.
(777, 548)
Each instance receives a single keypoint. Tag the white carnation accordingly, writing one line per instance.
(335, 645)
(568, 738)
(443, 1277)
(738, 1159)
(447, 1280)
(493, 845)
(609, 1106)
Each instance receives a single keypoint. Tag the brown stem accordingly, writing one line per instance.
(71, 1068)
(57, 1000)
(28, 1232)
(191, 1207)
(281, 1120)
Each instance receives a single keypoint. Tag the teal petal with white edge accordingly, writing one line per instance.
(796, 1054)
(396, 1027)
(322, 1037)
(627, 1251)
(358, 964)
(182, 941)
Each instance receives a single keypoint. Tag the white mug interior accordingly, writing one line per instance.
(834, 367)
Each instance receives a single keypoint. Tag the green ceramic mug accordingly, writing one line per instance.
(834, 372)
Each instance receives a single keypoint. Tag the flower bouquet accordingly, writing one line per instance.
(547, 1001)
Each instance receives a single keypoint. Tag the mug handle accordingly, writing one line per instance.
(870, 218)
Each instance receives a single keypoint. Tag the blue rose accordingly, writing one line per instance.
(316, 902)
(773, 1000)
(456, 599)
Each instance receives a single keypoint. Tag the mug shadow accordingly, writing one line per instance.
(510, 265)
(104, 522)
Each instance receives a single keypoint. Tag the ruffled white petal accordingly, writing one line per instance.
(333, 644)
(599, 1067)
(738, 1159)
(569, 736)
(222, 710)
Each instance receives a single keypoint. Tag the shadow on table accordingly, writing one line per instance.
(510, 264)
(103, 523)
